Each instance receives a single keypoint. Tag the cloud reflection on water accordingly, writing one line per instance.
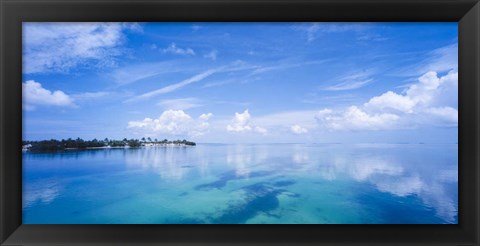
(41, 191)
(385, 167)
(389, 175)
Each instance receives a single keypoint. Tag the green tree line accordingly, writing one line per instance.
(53, 144)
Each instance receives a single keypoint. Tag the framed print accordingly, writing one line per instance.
(266, 122)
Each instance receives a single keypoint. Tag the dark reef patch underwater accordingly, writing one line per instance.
(230, 176)
(259, 198)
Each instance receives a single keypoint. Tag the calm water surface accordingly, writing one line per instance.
(273, 184)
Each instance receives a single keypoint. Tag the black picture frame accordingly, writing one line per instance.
(14, 12)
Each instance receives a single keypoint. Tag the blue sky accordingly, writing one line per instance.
(242, 82)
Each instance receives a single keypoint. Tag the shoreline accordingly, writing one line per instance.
(119, 147)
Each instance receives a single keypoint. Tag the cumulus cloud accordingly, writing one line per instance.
(241, 123)
(173, 49)
(355, 119)
(172, 122)
(297, 129)
(60, 47)
(448, 115)
(432, 95)
(35, 95)
(392, 100)
(205, 117)
(431, 101)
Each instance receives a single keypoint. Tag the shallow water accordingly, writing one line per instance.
(254, 184)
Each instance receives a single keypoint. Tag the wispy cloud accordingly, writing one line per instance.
(174, 87)
(331, 100)
(285, 65)
(60, 47)
(442, 59)
(352, 81)
(372, 37)
(314, 30)
(181, 103)
(90, 95)
(211, 55)
(350, 85)
(133, 73)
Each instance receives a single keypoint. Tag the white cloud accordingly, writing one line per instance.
(35, 95)
(181, 103)
(241, 123)
(174, 87)
(391, 100)
(431, 101)
(172, 122)
(205, 117)
(324, 112)
(432, 94)
(60, 47)
(355, 119)
(173, 49)
(448, 115)
(211, 55)
(297, 129)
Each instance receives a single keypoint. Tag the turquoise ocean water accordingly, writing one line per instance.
(254, 184)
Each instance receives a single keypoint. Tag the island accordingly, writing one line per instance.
(67, 144)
